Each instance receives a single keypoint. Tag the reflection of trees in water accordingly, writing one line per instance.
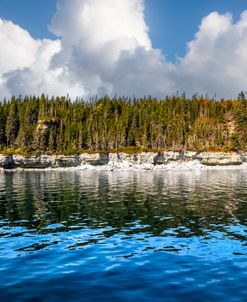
(189, 202)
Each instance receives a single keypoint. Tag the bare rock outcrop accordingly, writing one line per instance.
(100, 159)
(220, 158)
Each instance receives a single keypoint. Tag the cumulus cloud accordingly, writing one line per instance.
(94, 35)
(18, 49)
(25, 65)
(104, 47)
(216, 61)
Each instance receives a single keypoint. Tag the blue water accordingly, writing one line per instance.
(123, 236)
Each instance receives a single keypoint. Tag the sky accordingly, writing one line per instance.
(132, 47)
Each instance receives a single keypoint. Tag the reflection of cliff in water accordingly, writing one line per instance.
(190, 202)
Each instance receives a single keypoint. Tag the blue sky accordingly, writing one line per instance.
(172, 23)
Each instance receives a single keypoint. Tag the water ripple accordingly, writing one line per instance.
(119, 236)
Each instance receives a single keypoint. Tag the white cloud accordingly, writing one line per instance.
(25, 65)
(94, 36)
(103, 46)
(39, 78)
(216, 61)
(99, 22)
(18, 49)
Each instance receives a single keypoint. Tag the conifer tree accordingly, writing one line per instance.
(12, 124)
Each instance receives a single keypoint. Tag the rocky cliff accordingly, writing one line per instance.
(99, 159)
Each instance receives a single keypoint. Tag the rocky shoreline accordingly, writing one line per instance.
(103, 159)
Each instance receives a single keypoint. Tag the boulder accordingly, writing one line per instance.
(220, 158)
(6, 162)
(66, 161)
(94, 159)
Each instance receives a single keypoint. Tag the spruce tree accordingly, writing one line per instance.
(12, 124)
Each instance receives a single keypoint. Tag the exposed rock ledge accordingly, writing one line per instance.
(99, 159)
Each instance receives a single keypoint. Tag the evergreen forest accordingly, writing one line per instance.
(35, 125)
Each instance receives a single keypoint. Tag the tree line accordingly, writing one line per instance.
(58, 125)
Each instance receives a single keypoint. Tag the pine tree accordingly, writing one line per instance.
(12, 124)
(2, 128)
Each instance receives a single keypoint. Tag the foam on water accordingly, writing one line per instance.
(192, 165)
(175, 165)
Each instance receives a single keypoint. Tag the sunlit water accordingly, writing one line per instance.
(123, 236)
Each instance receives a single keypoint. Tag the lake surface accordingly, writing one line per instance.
(123, 236)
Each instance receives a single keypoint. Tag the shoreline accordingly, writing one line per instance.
(175, 167)
(146, 161)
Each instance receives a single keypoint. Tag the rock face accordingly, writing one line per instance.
(65, 161)
(6, 161)
(29, 162)
(99, 159)
(220, 158)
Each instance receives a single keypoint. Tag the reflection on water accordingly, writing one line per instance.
(123, 236)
